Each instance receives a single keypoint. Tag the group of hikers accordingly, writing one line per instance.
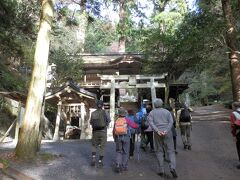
(157, 127)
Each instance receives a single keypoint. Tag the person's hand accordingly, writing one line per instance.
(162, 133)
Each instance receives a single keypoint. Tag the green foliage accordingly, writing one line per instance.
(17, 33)
(10, 80)
(187, 43)
(68, 67)
(99, 36)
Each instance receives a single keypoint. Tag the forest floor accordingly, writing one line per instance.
(213, 156)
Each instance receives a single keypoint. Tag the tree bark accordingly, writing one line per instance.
(231, 39)
(28, 143)
(122, 26)
(82, 27)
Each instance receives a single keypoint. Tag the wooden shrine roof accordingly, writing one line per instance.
(70, 93)
(124, 62)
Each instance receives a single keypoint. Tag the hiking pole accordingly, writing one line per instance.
(138, 148)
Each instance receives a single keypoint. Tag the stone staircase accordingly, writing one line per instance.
(211, 113)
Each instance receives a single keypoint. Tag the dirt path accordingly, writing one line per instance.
(213, 156)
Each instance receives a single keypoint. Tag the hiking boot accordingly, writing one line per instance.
(185, 146)
(118, 168)
(93, 162)
(189, 147)
(176, 152)
(173, 172)
(100, 163)
(161, 174)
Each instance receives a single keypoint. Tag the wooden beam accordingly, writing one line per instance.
(138, 86)
(126, 77)
(9, 129)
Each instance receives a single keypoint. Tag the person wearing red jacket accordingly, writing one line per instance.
(235, 126)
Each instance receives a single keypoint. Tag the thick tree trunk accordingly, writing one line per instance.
(122, 26)
(82, 28)
(28, 143)
(231, 38)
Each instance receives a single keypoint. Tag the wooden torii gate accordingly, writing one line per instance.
(113, 82)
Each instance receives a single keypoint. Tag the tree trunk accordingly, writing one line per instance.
(231, 38)
(28, 143)
(82, 27)
(122, 26)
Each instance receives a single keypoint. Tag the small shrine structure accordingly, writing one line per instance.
(74, 108)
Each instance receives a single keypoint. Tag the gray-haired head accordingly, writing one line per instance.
(158, 103)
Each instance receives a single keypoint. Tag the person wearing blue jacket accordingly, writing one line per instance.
(131, 116)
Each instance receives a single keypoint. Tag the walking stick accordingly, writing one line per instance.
(138, 148)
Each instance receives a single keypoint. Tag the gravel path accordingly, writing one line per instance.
(213, 156)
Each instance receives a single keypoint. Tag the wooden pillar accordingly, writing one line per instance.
(166, 94)
(83, 112)
(18, 121)
(56, 131)
(112, 102)
(153, 91)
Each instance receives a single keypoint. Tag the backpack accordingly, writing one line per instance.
(121, 126)
(237, 121)
(98, 119)
(144, 122)
(185, 116)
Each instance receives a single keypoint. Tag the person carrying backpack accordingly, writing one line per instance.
(99, 121)
(235, 126)
(185, 127)
(121, 135)
(133, 118)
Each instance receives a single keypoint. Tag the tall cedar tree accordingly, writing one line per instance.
(28, 142)
(231, 38)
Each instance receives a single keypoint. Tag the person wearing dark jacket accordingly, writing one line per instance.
(99, 121)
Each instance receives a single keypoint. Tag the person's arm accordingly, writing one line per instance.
(150, 120)
(132, 124)
(107, 116)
